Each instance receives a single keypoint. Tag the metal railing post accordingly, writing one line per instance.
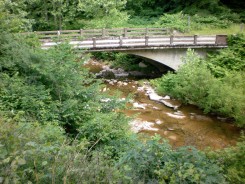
(120, 41)
(221, 40)
(146, 31)
(146, 40)
(195, 39)
(125, 31)
(94, 42)
(103, 32)
(171, 39)
(58, 34)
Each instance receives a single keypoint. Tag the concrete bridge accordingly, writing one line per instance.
(156, 44)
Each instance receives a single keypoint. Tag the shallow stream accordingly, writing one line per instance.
(182, 126)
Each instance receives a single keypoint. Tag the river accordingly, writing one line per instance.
(185, 126)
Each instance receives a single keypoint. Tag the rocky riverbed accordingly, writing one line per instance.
(180, 124)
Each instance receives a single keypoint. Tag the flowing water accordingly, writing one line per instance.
(185, 126)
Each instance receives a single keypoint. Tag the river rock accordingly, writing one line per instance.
(156, 108)
(105, 74)
(222, 119)
(139, 106)
(202, 118)
(120, 70)
(138, 125)
(105, 67)
(175, 116)
(172, 137)
(155, 97)
(168, 104)
(137, 74)
(179, 113)
(142, 65)
(170, 129)
(158, 122)
(140, 89)
(166, 97)
(121, 75)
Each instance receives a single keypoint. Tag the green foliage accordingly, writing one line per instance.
(101, 8)
(34, 153)
(194, 83)
(112, 19)
(53, 86)
(230, 59)
(13, 18)
(177, 21)
(198, 22)
(154, 161)
(232, 161)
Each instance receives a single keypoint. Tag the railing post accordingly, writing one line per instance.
(81, 32)
(94, 42)
(146, 40)
(120, 41)
(241, 27)
(58, 34)
(171, 39)
(221, 40)
(146, 31)
(195, 39)
(103, 32)
(125, 31)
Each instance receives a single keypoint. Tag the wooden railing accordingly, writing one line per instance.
(102, 33)
(146, 41)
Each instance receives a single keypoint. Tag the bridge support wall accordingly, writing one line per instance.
(170, 57)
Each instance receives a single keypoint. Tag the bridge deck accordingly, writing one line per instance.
(128, 39)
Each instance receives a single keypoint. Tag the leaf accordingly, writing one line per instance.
(44, 163)
(21, 161)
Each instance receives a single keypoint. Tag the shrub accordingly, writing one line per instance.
(177, 21)
(35, 153)
(158, 162)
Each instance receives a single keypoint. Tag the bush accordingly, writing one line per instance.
(230, 59)
(177, 21)
(158, 162)
(52, 86)
(232, 161)
(35, 153)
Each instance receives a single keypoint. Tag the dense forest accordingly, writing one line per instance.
(54, 126)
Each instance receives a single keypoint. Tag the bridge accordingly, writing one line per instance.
(156, 44)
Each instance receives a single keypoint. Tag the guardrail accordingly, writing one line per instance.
(146, 41)
(104, 33)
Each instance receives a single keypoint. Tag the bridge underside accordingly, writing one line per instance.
(168, 57)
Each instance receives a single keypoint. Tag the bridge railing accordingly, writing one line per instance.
(146, 41)
(104, 33)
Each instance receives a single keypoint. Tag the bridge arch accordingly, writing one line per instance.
(170, 57)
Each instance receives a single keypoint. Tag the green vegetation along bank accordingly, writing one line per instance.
(215, 84)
